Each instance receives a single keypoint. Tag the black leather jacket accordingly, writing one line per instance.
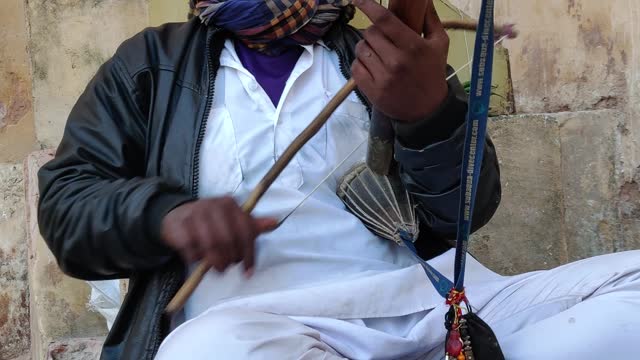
(130, 154)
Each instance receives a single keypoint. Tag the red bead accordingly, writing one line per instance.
(454, 343)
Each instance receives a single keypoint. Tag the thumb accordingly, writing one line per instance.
(432, 23)
(265, 224)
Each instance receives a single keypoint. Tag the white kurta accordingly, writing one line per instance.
(324, 286)
(321, 243)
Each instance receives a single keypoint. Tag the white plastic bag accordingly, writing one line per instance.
(105, 299)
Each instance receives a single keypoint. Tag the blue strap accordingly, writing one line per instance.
(439, 281)
(477, 116)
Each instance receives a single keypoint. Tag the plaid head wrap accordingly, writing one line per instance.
(272, 25)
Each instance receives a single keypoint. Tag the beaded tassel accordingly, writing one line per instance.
(466, 340)
(458, 345)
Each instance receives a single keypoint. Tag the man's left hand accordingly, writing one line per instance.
(402, 73)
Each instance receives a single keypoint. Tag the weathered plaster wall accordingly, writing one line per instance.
(573, 59)
(14, 293)
(564, 194)
(17, 139)
(69, 40)
(164, 11)
(576, 55)
(630, 192)
(58, 303)
(75, 349)
(571, 54)
(17, 131)
(529, 219)
(48, 51)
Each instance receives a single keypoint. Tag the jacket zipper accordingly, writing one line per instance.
(195, 178)
(173, 282)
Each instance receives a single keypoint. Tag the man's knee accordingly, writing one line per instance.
(242, 334)
(202, 337)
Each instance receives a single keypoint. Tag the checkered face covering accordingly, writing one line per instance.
(270, 26)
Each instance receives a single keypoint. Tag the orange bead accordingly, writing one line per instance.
(461, 357)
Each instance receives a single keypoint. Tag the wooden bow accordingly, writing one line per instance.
(412, 12)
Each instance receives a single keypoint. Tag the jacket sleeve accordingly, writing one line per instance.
(429, 154)
(97, 212)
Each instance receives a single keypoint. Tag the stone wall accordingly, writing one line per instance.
(14, 294)
(17, 131)
(564, 193)
(571, 55)
(571, 159)
(69, 40)
(17, 139)
(576, 55)
(57, 303)
(48, 51)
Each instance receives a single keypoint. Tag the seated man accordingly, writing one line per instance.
(186, 114)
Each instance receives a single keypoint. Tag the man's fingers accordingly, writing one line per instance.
(360, 73)
(248, 241)
(432, 23)
(263, 225)
(249, 247)
(244, 236)
(242, 233)
(392, 27)
(202, 237)
(370, 58)
(184, 243)
(216, 261)
(363, 78)
(217, 232)
(190, 252)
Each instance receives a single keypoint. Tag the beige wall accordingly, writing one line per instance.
(163, 11)
(571, 55)
(69, 40)
(17, 139)
(17, 131)
(49, 49)
(576, 55)
(571, 161)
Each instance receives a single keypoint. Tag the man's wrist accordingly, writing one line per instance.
(435, 127)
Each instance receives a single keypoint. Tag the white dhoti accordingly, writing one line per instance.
(326, 287)
(585, 310)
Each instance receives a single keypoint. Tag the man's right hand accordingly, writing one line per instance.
(216, 231)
